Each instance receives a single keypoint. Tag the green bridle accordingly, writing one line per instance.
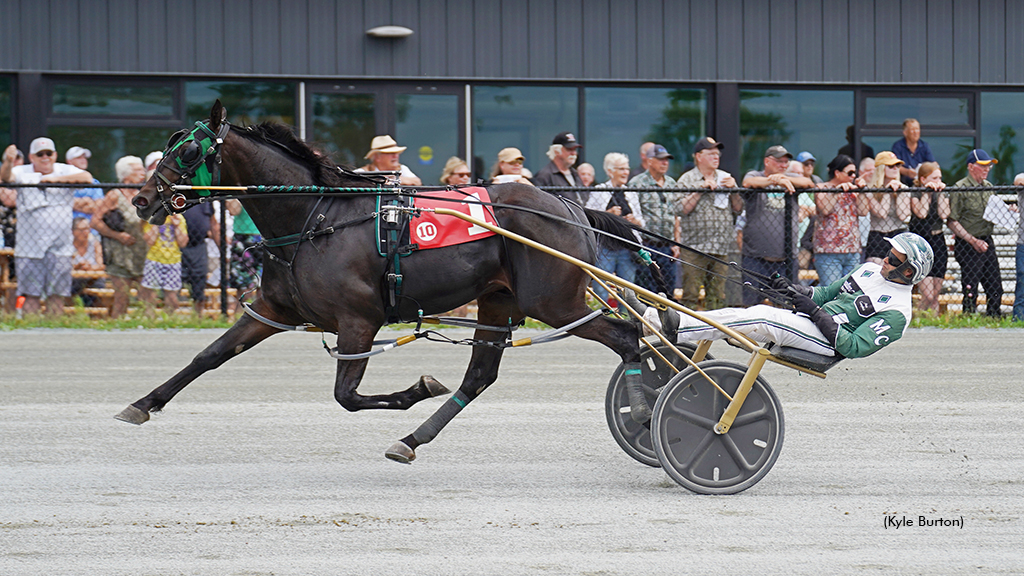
(195, 157)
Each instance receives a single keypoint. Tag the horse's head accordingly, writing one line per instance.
(191, 158)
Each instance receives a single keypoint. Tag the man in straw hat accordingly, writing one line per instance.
(383, 157)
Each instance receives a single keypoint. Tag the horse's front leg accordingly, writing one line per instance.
(481, 373)
(245, 334)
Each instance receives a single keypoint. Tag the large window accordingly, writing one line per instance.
(801, 120)
(950, 151)
(110, 100)
(526, 117)
(429, 125)
(343, 125)
(1002, 133)
(928, 110)
(108, 144)
(621, 119)
(112, 119)
(246, 102)
(946, 119)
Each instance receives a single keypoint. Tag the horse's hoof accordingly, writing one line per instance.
(132, 415)
(400, 452)
(434, 388)
(640, 414)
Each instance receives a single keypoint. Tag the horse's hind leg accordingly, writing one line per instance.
(245, 334)
(494, 310)
(358, 336)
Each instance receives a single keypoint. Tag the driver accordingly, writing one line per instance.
(854, 317)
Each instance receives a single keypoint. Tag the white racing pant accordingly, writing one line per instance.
(760, 323)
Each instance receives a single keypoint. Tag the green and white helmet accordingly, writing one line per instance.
(919, 258)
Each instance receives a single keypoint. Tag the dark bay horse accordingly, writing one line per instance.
(335, 280)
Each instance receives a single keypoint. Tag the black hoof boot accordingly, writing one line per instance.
(629, 297)
(669, 322)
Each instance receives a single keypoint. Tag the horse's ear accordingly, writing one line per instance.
(217, 115)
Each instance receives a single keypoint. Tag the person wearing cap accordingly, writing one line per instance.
(384, 157)
(644, 149)
(973, 246)
(85, 198)
(661, 209)
(560, 171)
(764, 245)
(888, 211)
(509, 167)
(43, 240)
(855, 316)
(911, 150)
(706, 224)
(807, 162)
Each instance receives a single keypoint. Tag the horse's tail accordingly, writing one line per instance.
(622, 235)
(617, 228)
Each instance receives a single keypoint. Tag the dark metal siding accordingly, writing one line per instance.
(786, 41)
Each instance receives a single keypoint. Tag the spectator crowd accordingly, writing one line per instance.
(783, 217)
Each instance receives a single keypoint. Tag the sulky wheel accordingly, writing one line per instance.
(687, 446)
(635, 438)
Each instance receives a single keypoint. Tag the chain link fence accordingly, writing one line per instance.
(975, 265)
(85, 248)
(53, 247)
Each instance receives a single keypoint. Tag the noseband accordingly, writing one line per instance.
(198, 163)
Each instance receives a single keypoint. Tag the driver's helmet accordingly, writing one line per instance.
(919, 257)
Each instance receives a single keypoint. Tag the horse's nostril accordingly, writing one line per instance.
(140, 202)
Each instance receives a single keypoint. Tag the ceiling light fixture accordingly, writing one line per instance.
(389, 32)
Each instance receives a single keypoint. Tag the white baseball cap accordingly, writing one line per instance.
(40, 144)
(153, 157)
(76, 151)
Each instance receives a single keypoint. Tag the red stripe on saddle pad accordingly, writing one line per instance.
(430, 230)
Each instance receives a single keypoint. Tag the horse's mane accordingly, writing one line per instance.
(325, 171)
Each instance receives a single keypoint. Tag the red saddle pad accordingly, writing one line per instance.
(430, 230)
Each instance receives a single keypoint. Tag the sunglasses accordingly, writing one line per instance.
(463, 174)
(850, 173)
(894, 260)
(45, 153)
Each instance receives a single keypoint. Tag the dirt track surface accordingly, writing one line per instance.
(254, 469)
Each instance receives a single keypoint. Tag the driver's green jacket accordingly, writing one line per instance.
(871, 311)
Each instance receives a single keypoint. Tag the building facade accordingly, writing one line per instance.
(475, 76)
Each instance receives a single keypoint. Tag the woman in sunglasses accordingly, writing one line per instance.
(456, 172)
(853, 317)
(837, 225)
(509, 167)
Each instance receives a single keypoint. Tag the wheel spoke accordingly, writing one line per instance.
(697, 452)
(749, 418)
(690, 417)
(737, 456)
